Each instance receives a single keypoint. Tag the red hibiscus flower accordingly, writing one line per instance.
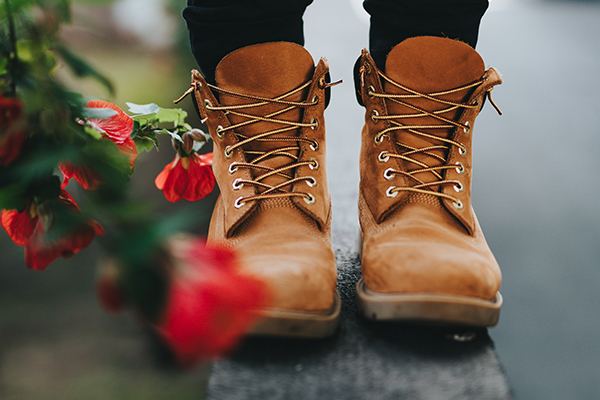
(117, 128)
(85, 176)
(27, 228)
(20, 225)
(210, 304)
(189, 178)
(13, 129)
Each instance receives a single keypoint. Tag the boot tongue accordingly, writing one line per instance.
(428, 65)
(266, 70)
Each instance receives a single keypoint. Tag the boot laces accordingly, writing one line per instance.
(401, 122)
(290, 147)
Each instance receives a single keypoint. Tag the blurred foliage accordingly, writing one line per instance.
(54, 124)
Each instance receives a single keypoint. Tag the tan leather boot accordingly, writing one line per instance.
(265, 116)
(424, 256)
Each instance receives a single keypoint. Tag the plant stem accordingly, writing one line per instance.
(12, 38)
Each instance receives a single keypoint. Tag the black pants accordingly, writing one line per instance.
(217, 27)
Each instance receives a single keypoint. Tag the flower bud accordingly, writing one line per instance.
(188, 143)
(199, 135)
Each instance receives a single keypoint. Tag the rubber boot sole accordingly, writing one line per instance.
(438, 309)
(296, 324)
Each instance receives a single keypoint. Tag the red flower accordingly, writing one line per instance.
(210, 304)
(27, 228)
(109, 292)
(13, 131)
(189, 178)
(20, 225)
(117, 128)
(85, 176)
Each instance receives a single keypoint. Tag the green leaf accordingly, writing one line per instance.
(146, 143)
(27, 50)
(81, 68)
(104, 156)
(173, 135)
(99, 113)
(143, 109)
(3, 65)
(13, 197)
(171, 115)
(16, 6)
(92, 132)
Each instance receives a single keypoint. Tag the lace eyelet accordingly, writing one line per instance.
(314, 146)
(458, 204)
(218, 131)
(314, 164)
(388, 173)
(228, 154)
(316, 122)
(233, 168)
(236, 184)
(462, 150)
(390, 192)
(315, 99)
(459, 187)
(370, 91)
(207, 103)
(467, 130)
(374, 114)
(378, 139)
(322, 83)
(460, 168)
(310, 200)
(312, 182)
(382, 156)
(239, 203)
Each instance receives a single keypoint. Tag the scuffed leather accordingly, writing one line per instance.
(419, 243)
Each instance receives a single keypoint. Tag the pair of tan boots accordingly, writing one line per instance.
(424, 257)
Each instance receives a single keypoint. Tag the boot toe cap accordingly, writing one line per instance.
(298, 281)
(397, 267)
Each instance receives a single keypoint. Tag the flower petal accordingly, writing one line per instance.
(117, 128)
(205, 159)
(201, 179)
(209, 309)
(129, 148)
(85, 176)
(11, 109)
(173, 180)
(40, 251)
(110, 295)
(19, 225)
(11, 143)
